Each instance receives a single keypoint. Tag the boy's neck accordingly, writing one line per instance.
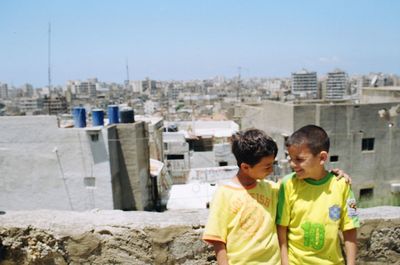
(244, 180)
(320, 175)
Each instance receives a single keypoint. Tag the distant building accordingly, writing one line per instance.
(55, 104)
(30, 105)
(304, 84)
(83, 88)
(336, 84)
(3, 91)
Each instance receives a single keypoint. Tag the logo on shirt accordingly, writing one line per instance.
(334, 212)
(352, 208)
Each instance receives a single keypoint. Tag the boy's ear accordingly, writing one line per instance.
(324, 157)
(244, 167)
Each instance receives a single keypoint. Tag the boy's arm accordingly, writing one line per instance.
(282, 237)
(220, 252)
(350, 244)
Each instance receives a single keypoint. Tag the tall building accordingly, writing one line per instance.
(3, 91)
(304, 84)
(336, 84)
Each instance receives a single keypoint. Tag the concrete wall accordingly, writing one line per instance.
(172, 237)
(275, 118)
(43, 166)
(129, 152)
(347, 125)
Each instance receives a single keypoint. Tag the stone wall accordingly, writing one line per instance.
(173, 237)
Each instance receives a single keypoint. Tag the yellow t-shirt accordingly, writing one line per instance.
(244, 219)
(314, 212)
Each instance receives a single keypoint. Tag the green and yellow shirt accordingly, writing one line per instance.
(314, 212)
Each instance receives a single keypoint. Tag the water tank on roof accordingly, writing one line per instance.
(113, 115)
(97, 117)
(79, 114)
(127, 115)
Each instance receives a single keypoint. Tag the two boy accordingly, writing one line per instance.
(241, 225)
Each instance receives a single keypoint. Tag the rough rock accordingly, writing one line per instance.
(174, 237)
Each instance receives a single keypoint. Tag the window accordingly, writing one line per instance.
(165, 146)
(366, 194)
(89, 182)
(223, 163)
(94, 137)
(367, 144)
(175, 157)
(334, 159)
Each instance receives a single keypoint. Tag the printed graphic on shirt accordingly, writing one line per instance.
(314, 235)
(251, 217)
(334, 212)
(352, 208)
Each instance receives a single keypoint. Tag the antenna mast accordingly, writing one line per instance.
(127, 74)
(49, 59)
(239, 84)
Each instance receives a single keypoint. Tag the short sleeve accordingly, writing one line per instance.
(283, 211)
(217, 223)
(350, 218)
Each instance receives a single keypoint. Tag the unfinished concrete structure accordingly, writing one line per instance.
(380, 94)
(365, 138)
(44, 166)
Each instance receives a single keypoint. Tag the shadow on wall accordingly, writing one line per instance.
(123, 197)
(97, 146)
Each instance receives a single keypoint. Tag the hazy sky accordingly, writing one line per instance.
(188, 39)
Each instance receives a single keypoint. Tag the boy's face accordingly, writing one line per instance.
(304, 163)
(262, 168)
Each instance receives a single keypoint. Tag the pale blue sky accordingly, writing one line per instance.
(183, 39)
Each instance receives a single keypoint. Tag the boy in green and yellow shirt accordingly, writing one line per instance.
(313, 206)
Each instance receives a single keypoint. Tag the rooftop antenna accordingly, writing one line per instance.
(49, 59)
(49, 68)
(238, 85)
(127, 74)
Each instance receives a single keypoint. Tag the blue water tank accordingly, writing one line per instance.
(113, 115)
(127, 115)
(97, 117)
(79, 114)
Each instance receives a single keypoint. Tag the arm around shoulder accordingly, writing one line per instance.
(350, 243)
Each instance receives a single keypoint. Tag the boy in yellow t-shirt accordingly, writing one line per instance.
(314, 206)
(241, 224)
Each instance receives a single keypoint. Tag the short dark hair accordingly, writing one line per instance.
(251, 146)
(316, 139)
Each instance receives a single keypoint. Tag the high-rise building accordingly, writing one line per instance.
(336, 84)
(3, 91)
(304, 84)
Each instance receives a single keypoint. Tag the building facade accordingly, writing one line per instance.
(305, 84)
(365, 138)
(336, 84)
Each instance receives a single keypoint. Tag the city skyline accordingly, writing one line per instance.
(176, 40)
